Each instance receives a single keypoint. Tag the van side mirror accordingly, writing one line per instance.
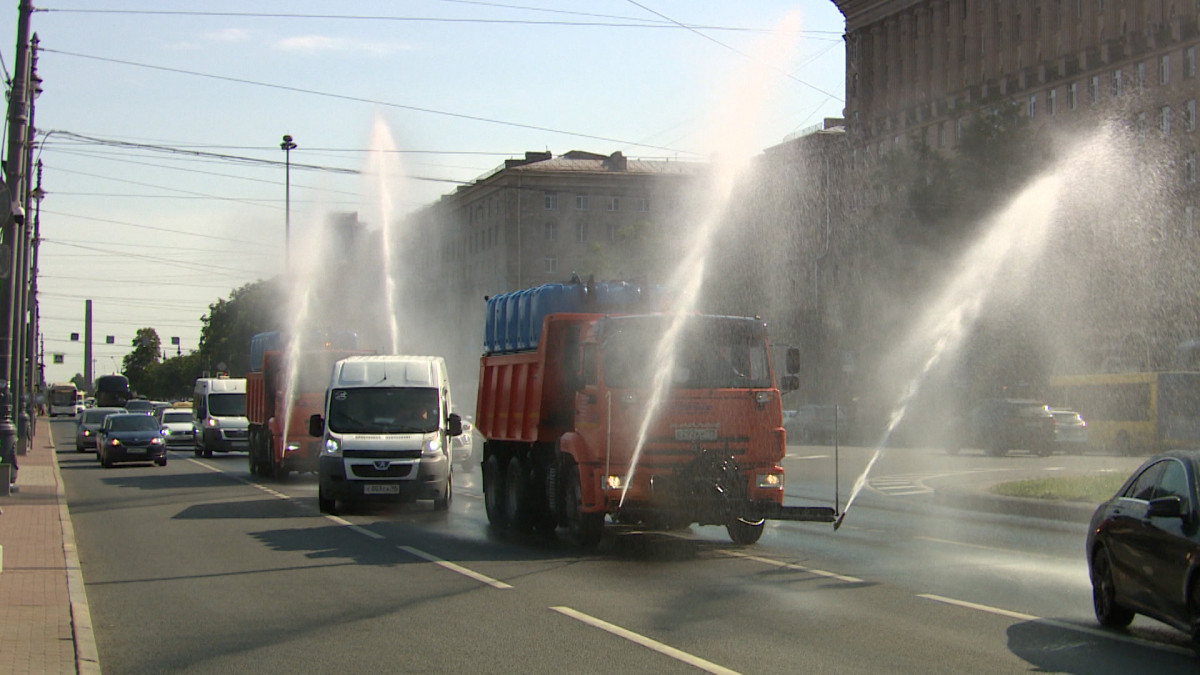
(789, 383)
(454, 425)
(316, 426)
(793, 361)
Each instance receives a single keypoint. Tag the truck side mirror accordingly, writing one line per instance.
(316, 426)
(793, 360)
(454, 425)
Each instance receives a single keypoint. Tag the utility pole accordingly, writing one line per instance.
(287, 146)
(12, 228)
(22, 345)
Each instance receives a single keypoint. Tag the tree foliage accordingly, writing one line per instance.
(139, 363)
(229, 325)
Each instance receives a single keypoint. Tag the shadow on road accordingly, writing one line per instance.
(1053, 648)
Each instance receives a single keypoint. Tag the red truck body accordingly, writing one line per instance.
(275, 450)
(562, 425)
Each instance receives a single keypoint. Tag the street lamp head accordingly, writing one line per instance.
(287, 143)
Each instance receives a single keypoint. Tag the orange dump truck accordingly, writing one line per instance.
(284, 387)
(562, 417)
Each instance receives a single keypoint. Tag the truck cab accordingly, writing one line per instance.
(386, 432)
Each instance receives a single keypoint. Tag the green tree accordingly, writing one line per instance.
(137, 365)
(229, 325)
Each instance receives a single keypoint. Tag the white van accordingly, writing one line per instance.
(387, 431)
(219, 415)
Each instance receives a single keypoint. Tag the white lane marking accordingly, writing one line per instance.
(361, 530)
(792, 566)
(808, 456)
(984, 547)
(455, 568)
(1088, 630)
(666, 650)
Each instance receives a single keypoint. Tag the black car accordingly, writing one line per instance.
(999, 425)
(1143, 546)
(130, 437)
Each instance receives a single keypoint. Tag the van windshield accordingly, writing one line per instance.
(227, 405)
(384, 410)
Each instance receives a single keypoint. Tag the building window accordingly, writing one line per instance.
(942, 135)
(581, 232)
(550, 265)
(1189, 167)
(1189, 62)
(1031, 109)
(550, 232)
(1052, 102)
(1117, 85)
(551, 202)
(1094, 89)
(1141, 75)
(581, 202)
(1073, 95)
(612, 232)
(1164, 69)
(958, 130)
(643, 204)
(614, 204)
(1164, 120)
(1189, 114)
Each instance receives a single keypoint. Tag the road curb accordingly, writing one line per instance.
(981, 499)
(87, 657)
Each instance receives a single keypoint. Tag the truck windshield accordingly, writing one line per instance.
(710, 355)
(227, 405)
(384, 410)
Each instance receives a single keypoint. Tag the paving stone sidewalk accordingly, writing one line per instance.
(45, 626)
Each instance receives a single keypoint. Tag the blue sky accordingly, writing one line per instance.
(461, 86)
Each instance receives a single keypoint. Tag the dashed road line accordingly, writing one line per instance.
(791, 566)
(649, 643)
(1087, 630)
(453, 567)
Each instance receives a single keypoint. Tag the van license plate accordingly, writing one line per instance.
(381, 489)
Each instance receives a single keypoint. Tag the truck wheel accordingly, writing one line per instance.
(443, 503)
(584, 529)
(518, 502)
(744, 532)
(325, 504)
(253, 464)
(493, 492)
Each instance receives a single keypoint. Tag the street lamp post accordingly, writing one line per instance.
(287, 146)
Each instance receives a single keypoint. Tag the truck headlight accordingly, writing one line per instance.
(614, 482)
(291, 447)
(770, 481)
(332, 447)
(763, 397)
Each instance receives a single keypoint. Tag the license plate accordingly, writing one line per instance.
(696, 434)
(381, 489)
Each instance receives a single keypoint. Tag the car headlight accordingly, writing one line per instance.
(116, 443)
(332, 447)
(156, 441)
(432, 448)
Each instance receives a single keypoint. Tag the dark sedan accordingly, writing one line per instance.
(1143, 546)
(131, 437)
(88, 426)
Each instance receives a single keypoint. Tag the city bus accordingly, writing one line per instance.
(1136, 412)
(61, 399)
(112, 391)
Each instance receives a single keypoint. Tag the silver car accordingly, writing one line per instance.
(88, 425)
(177, 428)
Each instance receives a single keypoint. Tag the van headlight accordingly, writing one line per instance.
(332, 447)
(432, 448)
(212, 423)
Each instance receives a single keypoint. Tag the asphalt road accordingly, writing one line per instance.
(199, 567)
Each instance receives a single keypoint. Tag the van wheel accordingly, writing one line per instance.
(325, 504)
(443, 503)
(744, 532)
(494, 492)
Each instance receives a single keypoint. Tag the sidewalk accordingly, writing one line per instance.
(44, 622)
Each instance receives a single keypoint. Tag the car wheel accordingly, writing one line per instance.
(161, 461)
(494, 492)
(1109, 612)
(443, 503)
(105, 461)
(325, 504)
(78, 448)
(744, 532)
